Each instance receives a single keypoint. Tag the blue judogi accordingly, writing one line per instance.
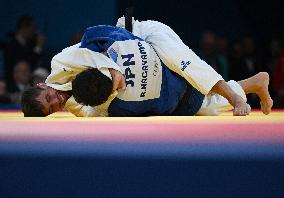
(176, 96)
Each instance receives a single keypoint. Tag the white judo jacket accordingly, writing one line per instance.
(72, 61)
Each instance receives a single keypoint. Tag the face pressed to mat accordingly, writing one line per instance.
(52, 100)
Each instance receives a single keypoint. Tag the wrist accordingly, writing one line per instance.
(237, 99)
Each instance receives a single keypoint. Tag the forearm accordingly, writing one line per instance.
(223, 89)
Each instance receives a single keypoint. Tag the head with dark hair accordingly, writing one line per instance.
(91, 87)
(24, 21)
(42, 100)
(26, 27)
(30, 106)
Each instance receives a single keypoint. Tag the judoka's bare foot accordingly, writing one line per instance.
(258, 84)
(262, 82)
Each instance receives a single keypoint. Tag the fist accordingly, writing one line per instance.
(241, 108)
(118, 80)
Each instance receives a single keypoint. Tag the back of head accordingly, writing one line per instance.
(91, 87)
(30, 106)
(26, 27)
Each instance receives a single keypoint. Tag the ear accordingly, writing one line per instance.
(42, 85)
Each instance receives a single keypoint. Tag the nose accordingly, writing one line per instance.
(55, 102)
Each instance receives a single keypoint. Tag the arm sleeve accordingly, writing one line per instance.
(70, 62)
(176, 55)
(82, 111)
(88, 111)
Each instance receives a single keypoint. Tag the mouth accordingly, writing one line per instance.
(62, 97)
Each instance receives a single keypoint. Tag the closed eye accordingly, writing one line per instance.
(47, 98)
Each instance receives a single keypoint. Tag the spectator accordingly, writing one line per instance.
(208, 50)
(273, 53)
(251, 65)
(21, 80)
(222, 57)
(26, 44)
(236, 60)
(4, 96)
(243, 59)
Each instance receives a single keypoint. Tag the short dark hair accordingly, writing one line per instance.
(30, 106)
(91, 87)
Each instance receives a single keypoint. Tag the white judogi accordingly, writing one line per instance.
(170, 49)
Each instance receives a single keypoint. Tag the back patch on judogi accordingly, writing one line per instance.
(141, 67)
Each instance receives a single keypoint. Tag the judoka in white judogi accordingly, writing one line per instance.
(170, 49)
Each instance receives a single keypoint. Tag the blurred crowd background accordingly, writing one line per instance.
(237, 38)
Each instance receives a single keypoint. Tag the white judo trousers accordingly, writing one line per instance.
(181, 59)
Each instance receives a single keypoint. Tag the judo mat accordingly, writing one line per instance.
(65, 156)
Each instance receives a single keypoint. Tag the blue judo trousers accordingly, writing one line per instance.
(177, 97)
